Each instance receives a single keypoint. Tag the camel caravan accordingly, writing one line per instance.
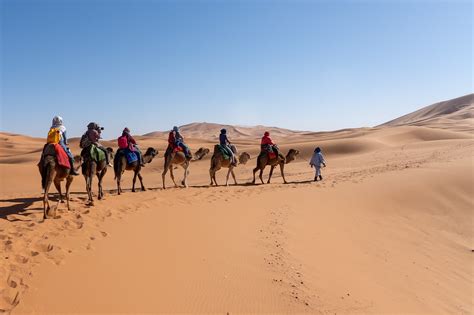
(58, 164)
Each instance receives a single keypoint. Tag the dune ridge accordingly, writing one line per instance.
(457, 113)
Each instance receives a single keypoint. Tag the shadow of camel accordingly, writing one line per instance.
(302, 182)
(20, 206)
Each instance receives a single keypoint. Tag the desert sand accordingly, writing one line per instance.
(389, 230)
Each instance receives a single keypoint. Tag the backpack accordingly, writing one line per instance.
(122, 142)
(54, 135)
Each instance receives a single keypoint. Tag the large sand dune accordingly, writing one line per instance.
(388, 230)
(456, 114)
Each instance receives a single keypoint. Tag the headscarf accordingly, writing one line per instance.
(223, 131)
(175, 129)
(126, 131)
(57, 122)
(266, 134)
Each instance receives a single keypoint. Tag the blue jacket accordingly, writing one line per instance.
(223, 139)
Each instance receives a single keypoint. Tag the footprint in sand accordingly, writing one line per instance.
(21, 259)
(44, 247)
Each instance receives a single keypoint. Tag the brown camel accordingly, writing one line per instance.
(121, 165)
(218, 161)
(91, 167)
(52, 172)
(178, 158)
(263, 161)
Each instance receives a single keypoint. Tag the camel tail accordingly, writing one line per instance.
(44, 175)
(116, 166)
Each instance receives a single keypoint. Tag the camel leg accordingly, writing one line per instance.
(165, 170)
(260, 175)
(118, 177)
(211, 173)
(134, 180)
(89, 179)
(233, 176)
(163, 177)
(100, 177)
(185, 183)
(215, 179)
(254, 171)
(89, 189)
(69, 180)
(57, 184)
(99, 193)
(46, 207)
(172, 176)
(140, 177)
(282, 166)
(271, 173)
(227, 177)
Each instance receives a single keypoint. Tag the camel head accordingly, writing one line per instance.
(202, 152)
(149, 155)
(243, 158)
(110, 153)
(291, 156)
(151, 152)
(78, 160)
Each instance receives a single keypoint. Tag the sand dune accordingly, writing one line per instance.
(210, 131)
(388, 230)
(455, 114)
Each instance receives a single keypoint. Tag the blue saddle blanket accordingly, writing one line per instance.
(131, 156)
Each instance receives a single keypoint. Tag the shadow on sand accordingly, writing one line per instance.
(20, 206)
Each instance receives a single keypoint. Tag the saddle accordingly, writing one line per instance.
(223, 151)
(94, 153)
(56, 150)
(270, 155)
(129, 155)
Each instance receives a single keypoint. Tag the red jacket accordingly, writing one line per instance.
(267, 140)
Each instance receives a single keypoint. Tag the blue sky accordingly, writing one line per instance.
(149, 65)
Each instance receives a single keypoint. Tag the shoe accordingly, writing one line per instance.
(110, 164)
(316, 179)
(320, 177)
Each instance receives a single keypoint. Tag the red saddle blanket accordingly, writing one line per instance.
(177, 149)
(271, 155)
(61, 156)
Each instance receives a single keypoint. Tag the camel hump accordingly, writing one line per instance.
(49, 149)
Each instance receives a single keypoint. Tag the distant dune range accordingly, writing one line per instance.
(388, 230)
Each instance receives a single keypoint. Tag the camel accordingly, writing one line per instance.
(121, 165)
(178, 158)
(52, 172)
(91, 167)
(263, 161)
(218, 161)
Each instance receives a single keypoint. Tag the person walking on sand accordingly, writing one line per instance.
(317, 160)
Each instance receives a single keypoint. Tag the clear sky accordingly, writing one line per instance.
(307, 65)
